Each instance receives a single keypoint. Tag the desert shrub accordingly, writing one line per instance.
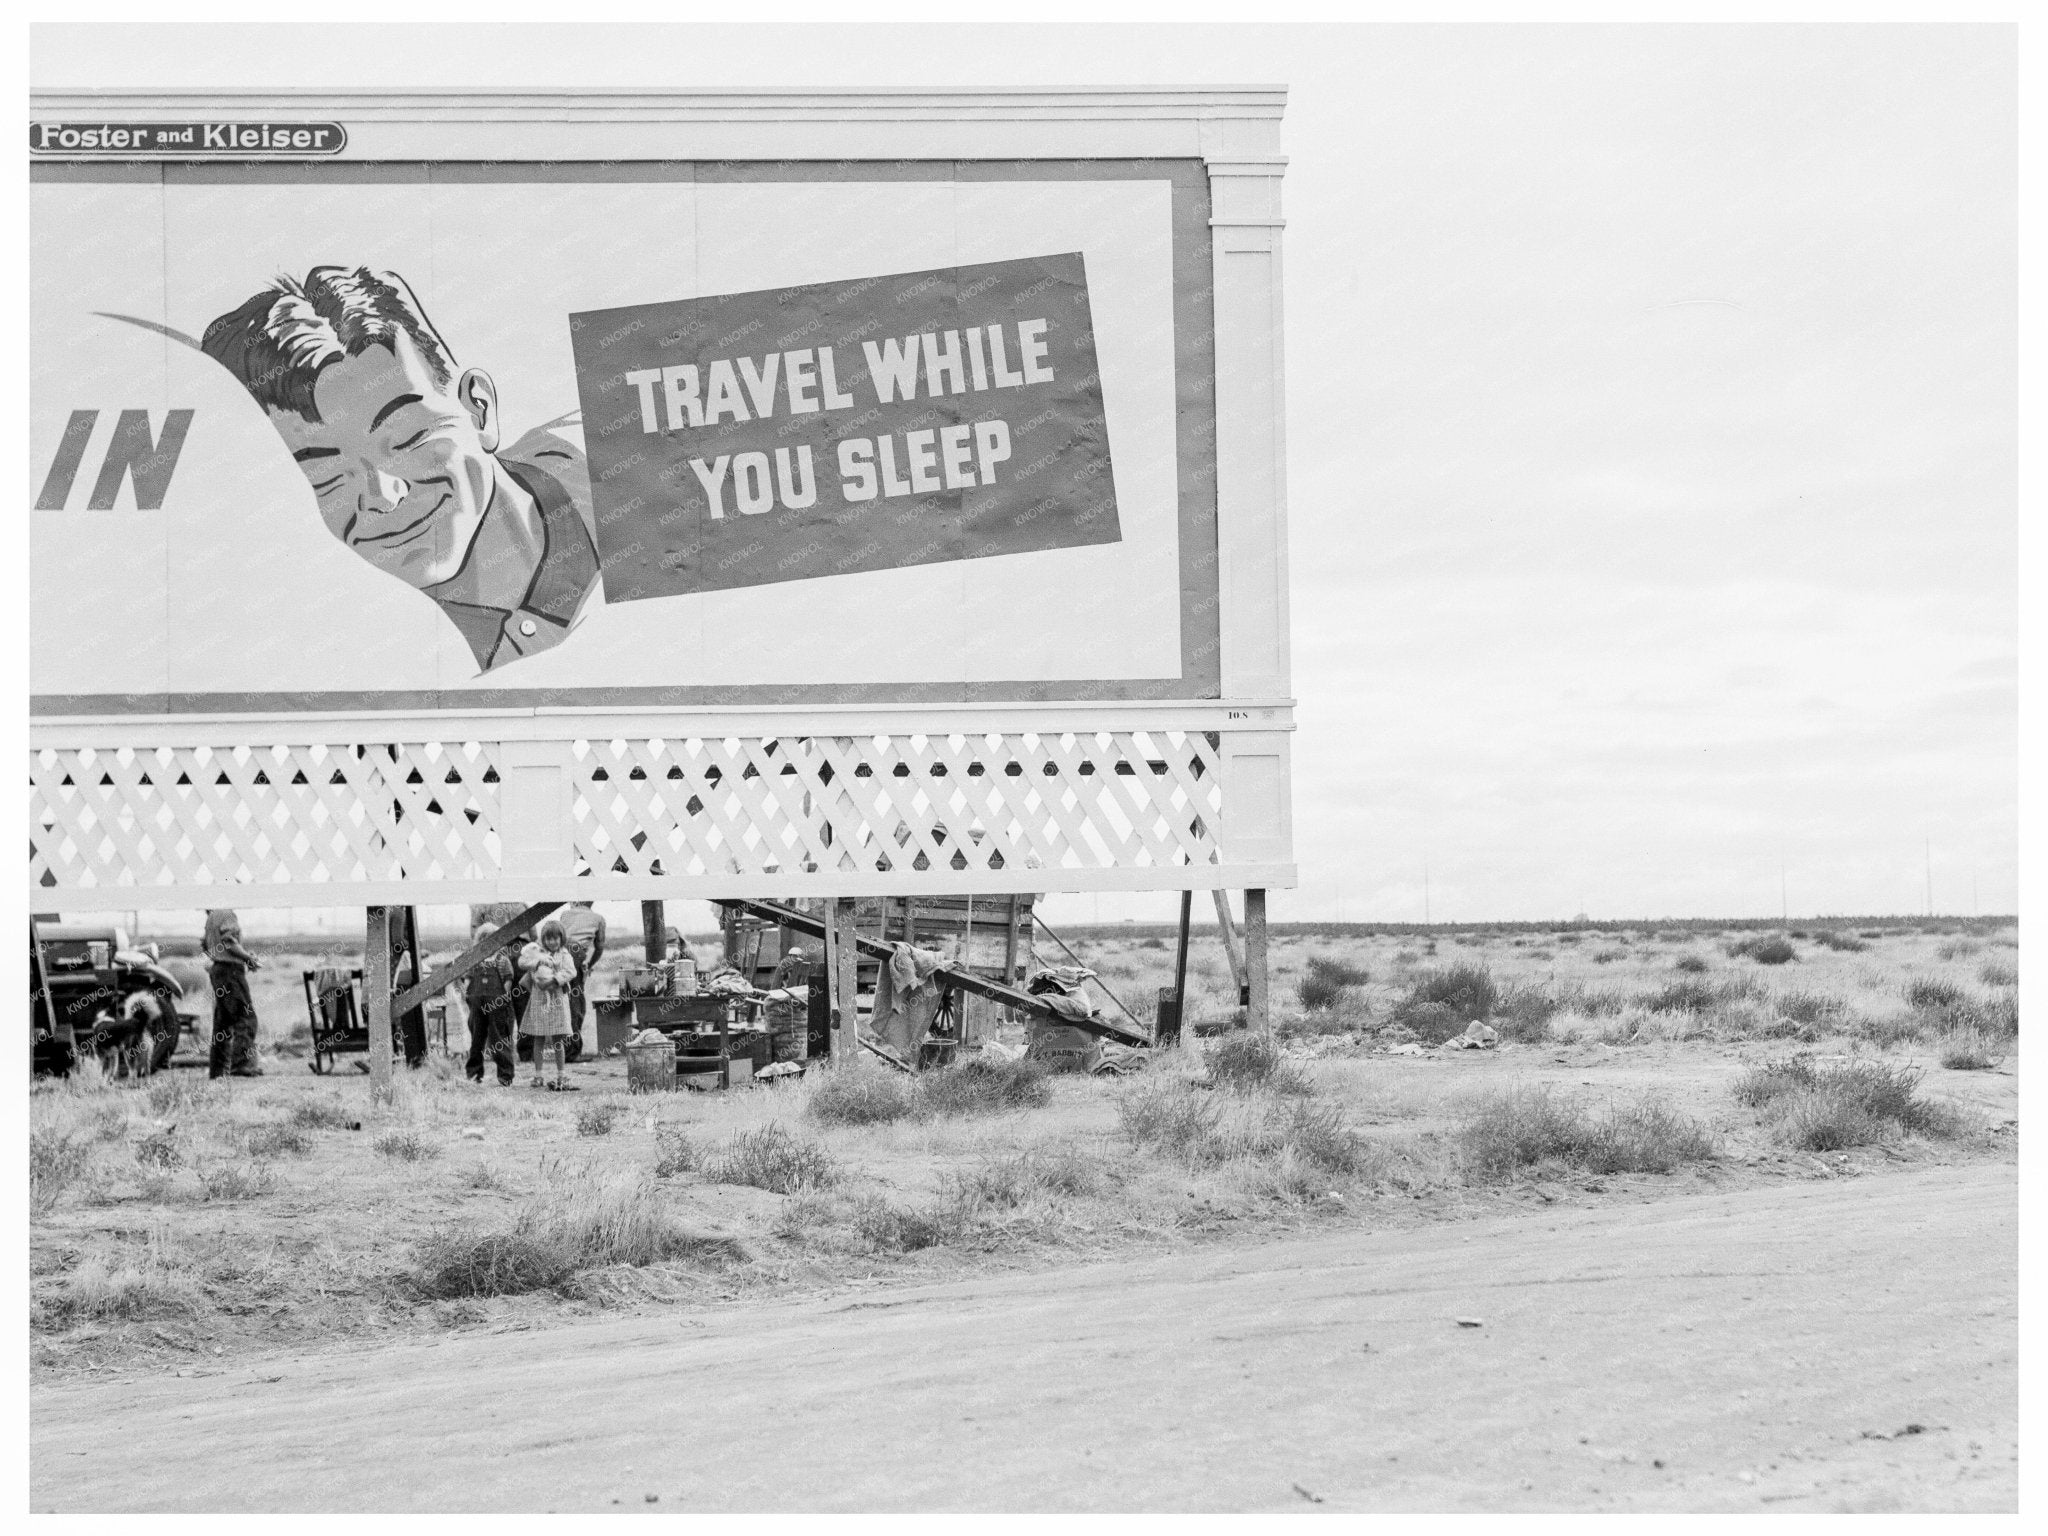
(1893, 1029)
(1523, 1127)
(1764, 949)
(159, 1149)
(1523, 1014)
(1170, 1118)
(234, 1181)
(1844, 1104)
(407, 1146)
(1608, 956)
(1934, 993)
(1431, 1023)
(1773, 1079)
(675, 1152)
(1467, 989)
(1692, 964)
(595, 1117)
(1327, 981)
(107, 1122)
(57, 1160)
(1999, 973)
(1687, 996)
(1969, 1051)
(1243, 1063)
(2001, 1015)
(321, 1115)
(904, 1229)
(1870, 933)
(1152, 944)
(1839, 939)
(128, 1292)
(558, 1234)
(280, 1139)
(1957, 949)
(1811, 1007)
(1316, 1135)
(1318, 993)
(861, 1095)
(772, 1159)
(180, 1093)
(982, 1087)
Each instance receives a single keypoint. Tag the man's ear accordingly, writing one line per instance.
(479, 396)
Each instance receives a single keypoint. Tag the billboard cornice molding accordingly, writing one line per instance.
(612, 104)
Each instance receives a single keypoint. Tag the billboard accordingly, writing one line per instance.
(366, 435)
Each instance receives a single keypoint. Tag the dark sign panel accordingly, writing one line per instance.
(231, 141)
(751, 438)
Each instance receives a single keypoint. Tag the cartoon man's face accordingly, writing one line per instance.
(401, 466)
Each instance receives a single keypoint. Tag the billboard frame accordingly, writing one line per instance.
(1159, 792)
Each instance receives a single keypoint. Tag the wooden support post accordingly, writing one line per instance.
(377, 992)
(1180, 966)
(828, 909)
(1230, 951)
(654, 931)
(1258, 1015)
(846, 980)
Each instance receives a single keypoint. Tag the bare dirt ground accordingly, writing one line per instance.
(1771, 1349)
(188, 1240)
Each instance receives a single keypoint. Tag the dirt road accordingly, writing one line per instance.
(1766, 1349)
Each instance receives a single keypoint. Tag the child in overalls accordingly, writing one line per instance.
(552, 971)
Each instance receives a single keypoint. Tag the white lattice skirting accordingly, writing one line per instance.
(452, 820)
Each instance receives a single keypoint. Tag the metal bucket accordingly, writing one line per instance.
(651, 1068)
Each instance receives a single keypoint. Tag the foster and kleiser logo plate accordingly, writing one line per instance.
(235, 141)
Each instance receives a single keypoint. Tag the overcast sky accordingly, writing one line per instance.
(1651, 432)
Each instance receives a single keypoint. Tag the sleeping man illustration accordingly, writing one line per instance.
(403, 452)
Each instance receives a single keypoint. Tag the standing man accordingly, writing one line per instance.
(234, 1011)
(584, 930)
(488, 991)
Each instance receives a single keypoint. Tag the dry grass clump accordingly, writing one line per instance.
(1958, 949)
(274, 1139)
(1524, 1127)
(1692, 964)
(1326, 982)
(1846, 1104)
(124, 1288)
(1442, 1001)
(865, 1095)
(595, 1117)
(980, 1087)
(771, 1158)
(407, 1146)
(233, 1181)
(1764, 949)
(675, 1152)
(1935, 994)
(1999, 973)
(58, 1161)
(860, 1095)
(1177, 1120)
(1969, 1051)
(558, 1235)
(1248, 1062)
(1839, 939)
(1523, 1014)
(322, 1115)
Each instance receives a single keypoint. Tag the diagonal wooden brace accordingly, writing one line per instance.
(471, 958)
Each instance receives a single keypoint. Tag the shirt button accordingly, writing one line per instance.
(528, 628)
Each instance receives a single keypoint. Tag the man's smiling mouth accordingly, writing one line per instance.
(405, 534)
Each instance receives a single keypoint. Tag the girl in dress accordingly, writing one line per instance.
(551, 969)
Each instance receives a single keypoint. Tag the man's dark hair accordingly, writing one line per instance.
(277, 342)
